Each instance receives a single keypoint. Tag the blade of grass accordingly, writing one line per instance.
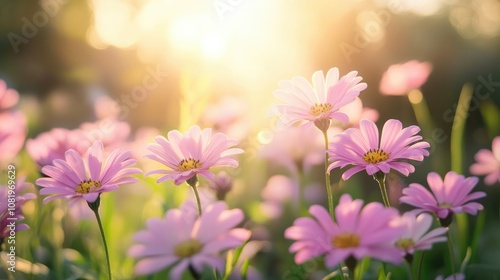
(478, 229)
(457, 131)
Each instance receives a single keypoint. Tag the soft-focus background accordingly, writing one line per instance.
(171, 64)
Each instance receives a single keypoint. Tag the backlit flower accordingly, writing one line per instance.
(221, 184)
(362, 149)
(112, 133)
(488, 163)
(453, 195)
(13, 132)
(356, 112)
(229, 116)
(281, 191)
(356, 233)
(414, 237)
(8, 97)
(77, 177)
(53, 144)
(192, 153)
(400, 79)
(320, 101)
(289, 148)
(11, 201)
(183, 243)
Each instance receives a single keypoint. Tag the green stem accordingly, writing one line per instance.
(380, 178)
(94, 206)
(341, 272)
(193, 182)
(452, 253)
(194, 273)
(457, 130)
(409, 268)
(420, 262)
(302, 186)
(421, 111)
(425, 121)
(327, 177)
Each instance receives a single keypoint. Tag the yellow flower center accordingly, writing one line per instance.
(405, 243)
(445, 205)
(188, 248)
(188, 164)
(345, 240)
(318, 109)
(86, 186)
(375, 156)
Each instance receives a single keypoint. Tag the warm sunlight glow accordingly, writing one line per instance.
(213, 45)
(185, 32)
(114, 23)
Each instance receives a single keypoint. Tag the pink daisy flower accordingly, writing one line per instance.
(8, 97)
(53, 144)
(356, 112)
(282, 192)
(221, 184)
(292, 150)
(112, 133)
(362, 149)
(230, 115)
(400, 79)
(86, 178)
(180, 243)
(355, 233)
(320, 101)
(488, 163)
(192, 153)
(414, 237)
(13, 132)
(453, 195)
(10, 208)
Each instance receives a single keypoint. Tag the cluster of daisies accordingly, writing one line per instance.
(349, 232)
(344, 233)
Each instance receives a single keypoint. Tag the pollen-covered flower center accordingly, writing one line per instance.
(86, 186)
(345, 240)
(405, 243)
(375, 156)
(188, 248)
(445, 205)
(188, 164)
(318, 109)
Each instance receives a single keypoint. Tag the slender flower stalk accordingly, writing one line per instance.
(451, 252)
(327, 178)
(95, 208)
(420, 263)
(193, 182)
(380, 178)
